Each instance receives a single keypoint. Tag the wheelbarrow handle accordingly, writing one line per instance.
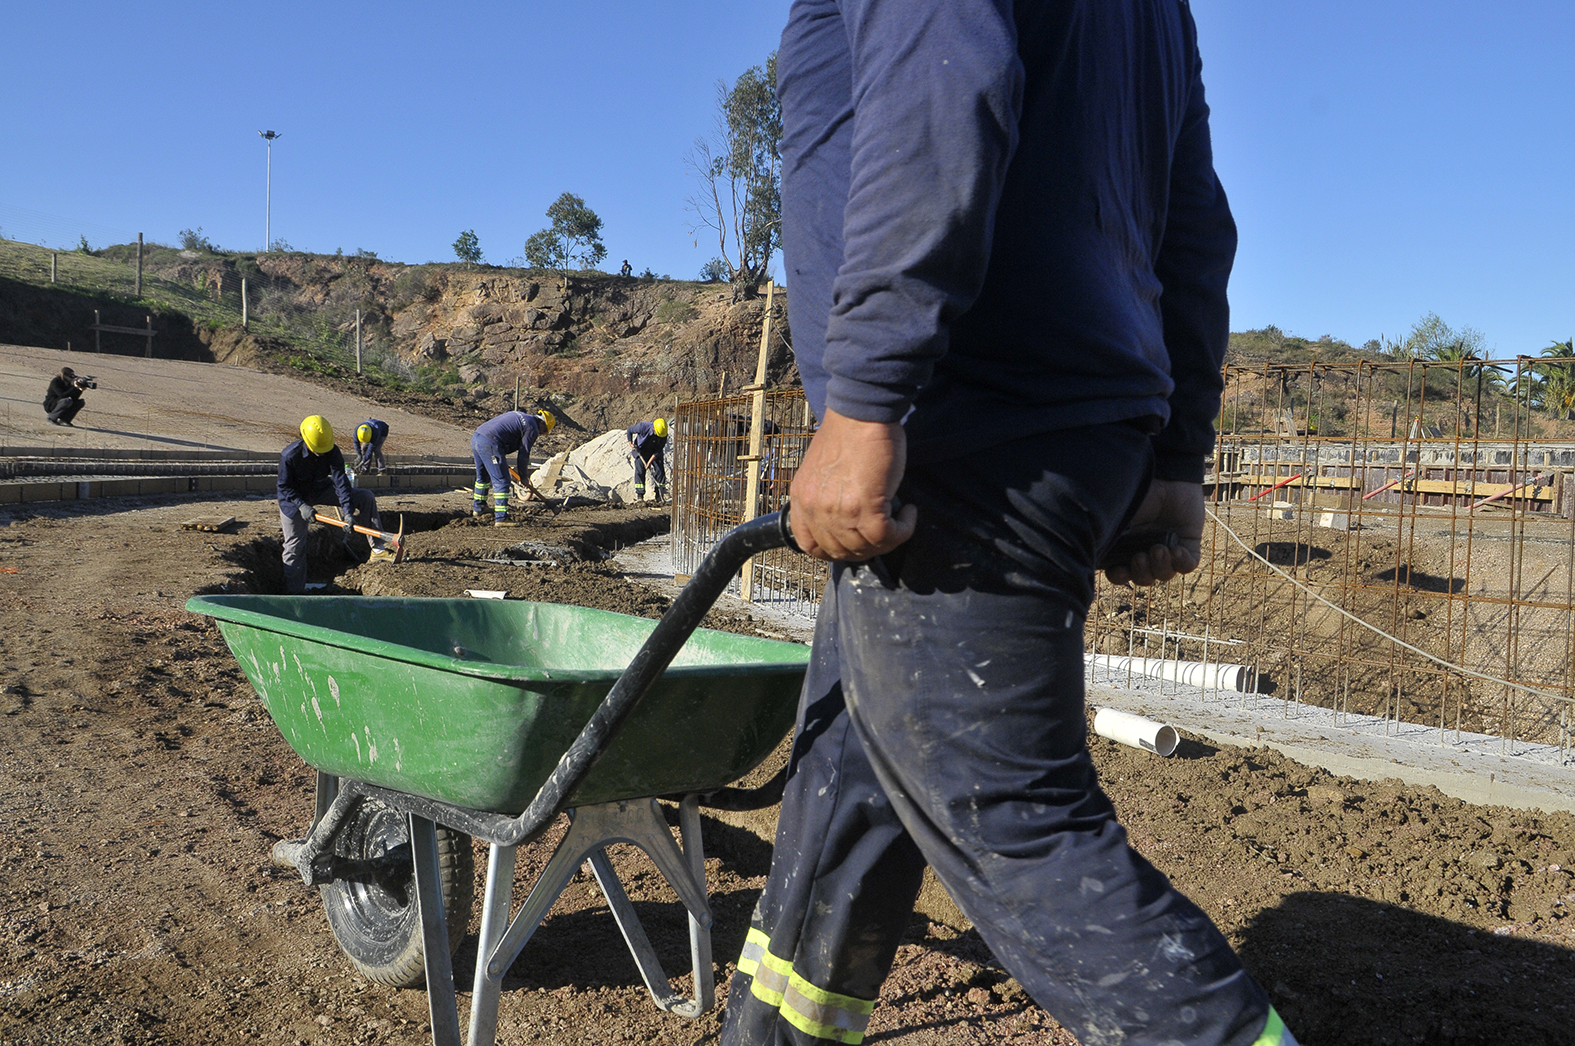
(710, 579)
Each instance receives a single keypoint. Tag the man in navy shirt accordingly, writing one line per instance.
(491, 446)
(648, 448)
(369, 438)
(1005, 240)
(312, 472)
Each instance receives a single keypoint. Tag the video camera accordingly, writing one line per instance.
(86, 381)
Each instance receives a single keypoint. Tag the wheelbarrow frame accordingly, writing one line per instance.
(592, 828)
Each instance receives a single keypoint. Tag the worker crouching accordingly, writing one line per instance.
(312, 472)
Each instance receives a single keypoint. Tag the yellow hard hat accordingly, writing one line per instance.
(659, 426)
(318, 434)
(363, 434)
(547, 420)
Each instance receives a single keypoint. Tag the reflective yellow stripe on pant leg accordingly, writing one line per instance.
(812, 1010)
(823, 1014)
(771, 978)
(1274, 1031)
(754, 948)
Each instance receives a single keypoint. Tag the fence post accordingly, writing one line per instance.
(358, 341)
(52, 257)
(96, 347)
(149, 321)
(139, 283)
(757, 428)
(243, 303)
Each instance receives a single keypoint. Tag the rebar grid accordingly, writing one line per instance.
(1432, 500)
(711, 443)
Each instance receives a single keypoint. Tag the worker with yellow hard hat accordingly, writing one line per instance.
(648, 448)
(493, 442)
(312, 472)
(369, 437)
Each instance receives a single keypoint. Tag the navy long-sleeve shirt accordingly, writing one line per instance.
(643, 435)
(513, 431)
(364, 451)
(302, 474)
(1002, 219)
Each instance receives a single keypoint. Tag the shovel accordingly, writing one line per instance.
(394, 541)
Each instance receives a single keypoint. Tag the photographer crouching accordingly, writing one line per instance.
(64, 398)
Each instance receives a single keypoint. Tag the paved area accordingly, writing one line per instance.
(1478, 768)
(172, 405)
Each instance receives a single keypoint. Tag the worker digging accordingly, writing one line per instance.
(647, 448)
(369, 438)
(510, 432)
(1010, 253)
(312, 472)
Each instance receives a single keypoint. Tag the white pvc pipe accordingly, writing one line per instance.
(1205, 675)
(1134, 730)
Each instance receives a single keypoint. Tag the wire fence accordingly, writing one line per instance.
(1394, 540)
(710, 486)
(325, 307)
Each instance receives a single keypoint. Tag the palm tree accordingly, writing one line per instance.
(1554, 383)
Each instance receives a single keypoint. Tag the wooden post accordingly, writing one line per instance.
(139, 283)
(757, 431)
(96, 347)
(243, 303)
(52, 257)
(358, 341)
(516, 391)
(149, 321)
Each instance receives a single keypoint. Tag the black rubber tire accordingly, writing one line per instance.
(374, 916)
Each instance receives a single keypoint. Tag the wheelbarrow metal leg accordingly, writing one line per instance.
(442, 1006)
(591, 828)
(633, 931)
(699, 936)
(554, 877)
(494, 923)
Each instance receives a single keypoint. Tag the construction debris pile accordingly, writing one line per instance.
(599, 470)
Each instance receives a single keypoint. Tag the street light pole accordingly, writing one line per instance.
(268, 136)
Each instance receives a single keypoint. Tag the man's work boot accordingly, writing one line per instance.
(381, 555)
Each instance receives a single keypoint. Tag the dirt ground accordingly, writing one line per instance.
(142, 786)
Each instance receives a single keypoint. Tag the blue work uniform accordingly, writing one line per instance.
(371, 453)
(1003, 229)
(491, 446)
(306, 480)
(648, 446)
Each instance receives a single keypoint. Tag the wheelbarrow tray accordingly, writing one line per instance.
(473, 701)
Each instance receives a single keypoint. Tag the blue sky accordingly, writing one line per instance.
(1383, 159)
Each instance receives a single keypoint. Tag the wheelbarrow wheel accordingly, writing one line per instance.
(373, 910)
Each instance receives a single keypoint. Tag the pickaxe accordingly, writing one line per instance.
(525, 492)
(395, 541)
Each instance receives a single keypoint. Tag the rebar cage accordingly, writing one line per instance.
(711, 453)
(1388, 538)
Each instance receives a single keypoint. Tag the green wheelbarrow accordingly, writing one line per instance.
(430, 720)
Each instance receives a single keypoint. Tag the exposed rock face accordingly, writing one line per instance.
(606, 351)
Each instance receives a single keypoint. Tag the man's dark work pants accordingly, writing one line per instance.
(942, 723)
(66, 409)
